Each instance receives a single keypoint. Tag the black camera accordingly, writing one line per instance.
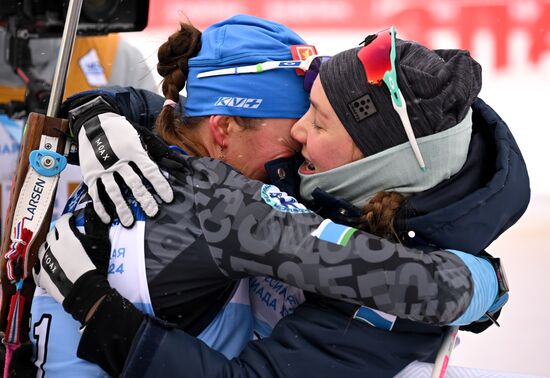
(24, 20)
(45, 18)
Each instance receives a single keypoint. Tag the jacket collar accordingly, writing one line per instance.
(487, 196)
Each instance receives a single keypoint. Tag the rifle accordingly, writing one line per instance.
(42, 157)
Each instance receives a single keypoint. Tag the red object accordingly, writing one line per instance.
(375, 57)
(302, 52)
(416, 20)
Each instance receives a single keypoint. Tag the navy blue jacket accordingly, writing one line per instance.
(465, 212)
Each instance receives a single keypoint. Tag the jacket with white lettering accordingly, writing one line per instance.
(231, 227)
(255, 229)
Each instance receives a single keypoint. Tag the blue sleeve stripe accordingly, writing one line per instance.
(375, 318)
(485, 287)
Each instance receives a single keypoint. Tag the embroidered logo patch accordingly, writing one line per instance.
(333, 232)
(282, 201)
(362, 107)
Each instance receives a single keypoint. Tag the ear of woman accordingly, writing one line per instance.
(219, 127)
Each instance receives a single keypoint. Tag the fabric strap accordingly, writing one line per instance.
(33, 203)
(35, 196)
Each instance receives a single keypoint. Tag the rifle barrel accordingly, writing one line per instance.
(62, 66)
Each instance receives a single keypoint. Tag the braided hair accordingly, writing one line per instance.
(378, 215)
(173, 66)
(173, 60)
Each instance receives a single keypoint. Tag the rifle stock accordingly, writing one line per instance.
(38, 126)
(33, 194)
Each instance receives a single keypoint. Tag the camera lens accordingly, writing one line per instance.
(99, 10)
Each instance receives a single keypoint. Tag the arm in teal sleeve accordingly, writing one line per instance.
(485, 287)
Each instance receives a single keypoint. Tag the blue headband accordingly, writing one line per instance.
(238, 41)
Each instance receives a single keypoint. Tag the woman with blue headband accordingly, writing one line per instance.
(157, 348)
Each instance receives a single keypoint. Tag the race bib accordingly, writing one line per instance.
(92, 69)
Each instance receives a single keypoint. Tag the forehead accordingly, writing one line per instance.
(320, 101)
(275, 131)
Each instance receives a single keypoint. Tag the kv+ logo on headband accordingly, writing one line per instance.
(239, 102)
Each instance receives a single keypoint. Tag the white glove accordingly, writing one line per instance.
(72, 266)
(62, 260)
(108, 143)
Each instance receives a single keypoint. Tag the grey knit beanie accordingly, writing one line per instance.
(439, 87)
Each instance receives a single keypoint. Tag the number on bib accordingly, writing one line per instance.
(41, 333)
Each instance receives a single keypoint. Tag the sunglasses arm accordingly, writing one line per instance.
(402, 111)
(227, 71)
(255, 68)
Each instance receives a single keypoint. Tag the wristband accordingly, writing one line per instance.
(86, 291)
(79, 115)
(503, 288)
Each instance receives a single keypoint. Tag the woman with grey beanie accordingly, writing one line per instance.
(397, 143)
